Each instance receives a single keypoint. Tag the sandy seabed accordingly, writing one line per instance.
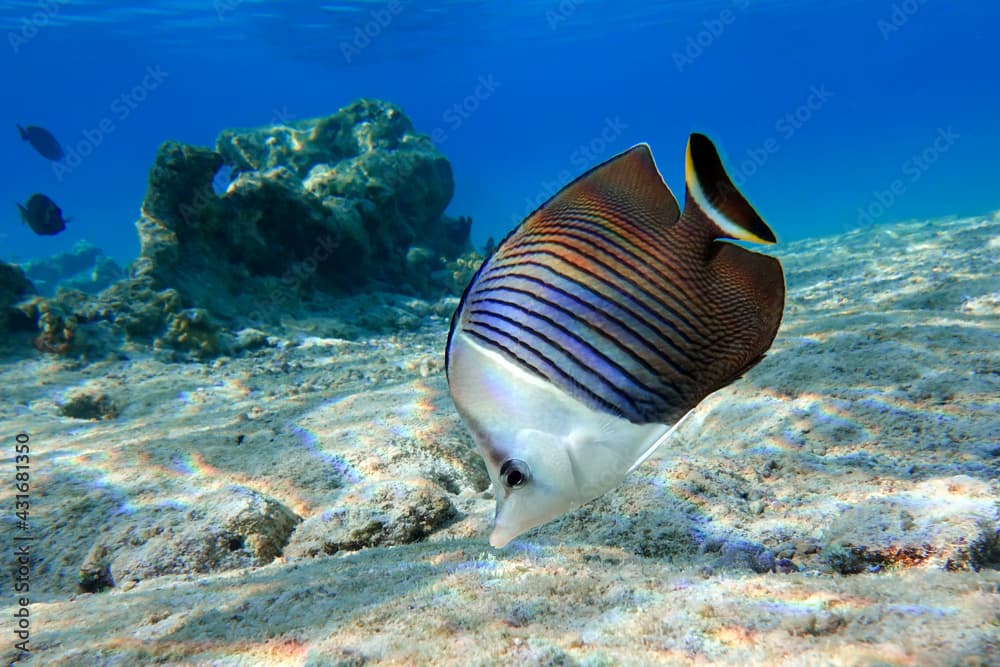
(837, 506)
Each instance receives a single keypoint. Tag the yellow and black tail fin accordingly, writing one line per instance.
(713, 199)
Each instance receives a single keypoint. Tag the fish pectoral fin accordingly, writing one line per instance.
(659, 440)
(714, 200)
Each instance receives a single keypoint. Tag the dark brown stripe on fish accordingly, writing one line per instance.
(652, 250)
(595, 324)
(600, 303)
(611, 295)
(559, 376)
(589, 346)
(632, 271)
(606, 275)
(560, 361)
(567, 334)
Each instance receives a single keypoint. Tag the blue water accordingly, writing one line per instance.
(831, 115)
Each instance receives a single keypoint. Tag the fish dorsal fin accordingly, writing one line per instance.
(629, 184)
(712, 197)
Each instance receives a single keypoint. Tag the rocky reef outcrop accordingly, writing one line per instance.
(85, 267)
(350, 202)
(14, 286)
(327, 215)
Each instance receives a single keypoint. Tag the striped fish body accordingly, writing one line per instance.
(601, 321)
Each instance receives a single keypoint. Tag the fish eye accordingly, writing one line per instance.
(514, 473)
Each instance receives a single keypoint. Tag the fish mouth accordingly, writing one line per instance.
(500, 538)
(502, 532)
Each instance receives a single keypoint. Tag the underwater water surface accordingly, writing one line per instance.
(830, 115)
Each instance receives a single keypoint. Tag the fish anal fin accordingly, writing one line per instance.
(752, 287)
(761, 282)
(714, 200)
(628, 184)
(743, 371)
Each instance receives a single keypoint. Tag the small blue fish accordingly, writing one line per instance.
(43, 215)
(600, 322)
(42, 141)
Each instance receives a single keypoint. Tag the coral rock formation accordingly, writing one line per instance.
(85, 268)
(275, 221)
(337, 203)
(13, 287)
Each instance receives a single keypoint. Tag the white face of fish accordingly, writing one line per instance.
(546, 452)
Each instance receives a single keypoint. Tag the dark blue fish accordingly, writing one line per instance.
(42, 215)
(42, 141)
